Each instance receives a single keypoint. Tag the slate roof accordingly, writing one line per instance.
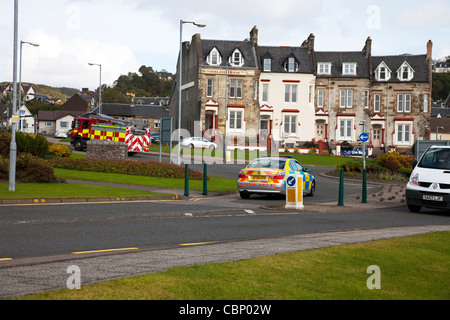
(132, 111)
(443, 112)
(279, 55)
(418, 62)
(338, 58)
(227, 47)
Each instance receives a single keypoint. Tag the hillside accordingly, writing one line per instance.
(60, 93)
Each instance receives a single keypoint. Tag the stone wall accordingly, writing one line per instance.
(106, 150)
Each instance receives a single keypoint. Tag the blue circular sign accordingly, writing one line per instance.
(364, 137)
(291, 181)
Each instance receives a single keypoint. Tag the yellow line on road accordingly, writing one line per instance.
(109, 250)
(6, 259)
(195, 244)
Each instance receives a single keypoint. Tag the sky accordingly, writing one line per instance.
(123, 35)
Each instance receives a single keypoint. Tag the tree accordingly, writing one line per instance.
(441, 86)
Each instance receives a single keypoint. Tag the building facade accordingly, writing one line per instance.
(297, 94)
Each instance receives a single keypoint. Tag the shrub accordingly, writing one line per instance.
(31, 169)
(405, 161)
(34, 145)
(4, 169)
(138, 168)
(312, 151)
(392, 163)
(59, 150)
(5, 143)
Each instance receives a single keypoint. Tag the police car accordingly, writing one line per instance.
(268, 176)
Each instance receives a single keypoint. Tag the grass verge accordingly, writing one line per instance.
(73, 191)
(214, 184)
(412, 268)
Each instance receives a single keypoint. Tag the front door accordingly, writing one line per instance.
(320, 130)
(376, 140)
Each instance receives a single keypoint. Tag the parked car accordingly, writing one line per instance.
(268, 176)
(61, 134)
(198, 142)
(429, 184)
(155, 137)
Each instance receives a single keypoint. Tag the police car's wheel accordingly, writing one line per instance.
(245, 195)
(414, 208)
(313, 189)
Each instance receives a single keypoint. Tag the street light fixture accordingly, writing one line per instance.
(180, 68)
(20, 72)
(99, 88)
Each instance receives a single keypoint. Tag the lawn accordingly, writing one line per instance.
(214, 184)
(413, 268)
(74, 191)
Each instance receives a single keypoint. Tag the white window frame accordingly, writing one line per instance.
(377, 103)
(346, 98)
(64, 124)
(349, 68)
(426, 102)
(236, 58)
(209, 87)
(320, 94)
(324, 68)
(346, 128)
(265, 92)
(404, 103)
(290, 123)
(267, 65)
(366, 99)
(405, 67)
(236, 120)
(209, 59)
(290, 93)
(48, 124)
(403, 133)
(236, 88)
(388, 72)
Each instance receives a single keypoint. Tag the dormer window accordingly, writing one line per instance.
(236, 59)
(349, 68)
(405, 72)
(267, 65)
(290, 64)
(214, 58)
(383, 73)
(324, 68)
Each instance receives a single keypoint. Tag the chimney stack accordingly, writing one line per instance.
(254, 36)
(430, 50)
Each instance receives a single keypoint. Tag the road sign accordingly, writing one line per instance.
(364, 137)
(291, 181)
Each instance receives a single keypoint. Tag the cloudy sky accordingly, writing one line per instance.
(123, 35)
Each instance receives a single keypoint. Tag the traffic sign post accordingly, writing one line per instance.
(294, 192)
(364, 137)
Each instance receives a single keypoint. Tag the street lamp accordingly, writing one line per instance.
(13, 147)
(364, 186)
(180, 64)
(99, 88)
(20, 72)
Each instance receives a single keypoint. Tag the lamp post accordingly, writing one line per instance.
(437, 132)
(13, 147)
(180, 68)
(226, 117)
(99, 88)
(20, 69)
(364, 186)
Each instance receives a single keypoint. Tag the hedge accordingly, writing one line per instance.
(130, 167)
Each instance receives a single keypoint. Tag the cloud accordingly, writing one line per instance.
(64, 62)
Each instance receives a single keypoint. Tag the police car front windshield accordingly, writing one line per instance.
(438, 158)
(268, 163)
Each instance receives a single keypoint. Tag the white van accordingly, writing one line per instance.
(429, 184)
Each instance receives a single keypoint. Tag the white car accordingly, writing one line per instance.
(198, 142)
(429, 184)
(61, 134)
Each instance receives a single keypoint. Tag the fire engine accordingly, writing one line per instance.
(99, 127)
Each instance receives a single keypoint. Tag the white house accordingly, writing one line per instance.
(286, 94)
